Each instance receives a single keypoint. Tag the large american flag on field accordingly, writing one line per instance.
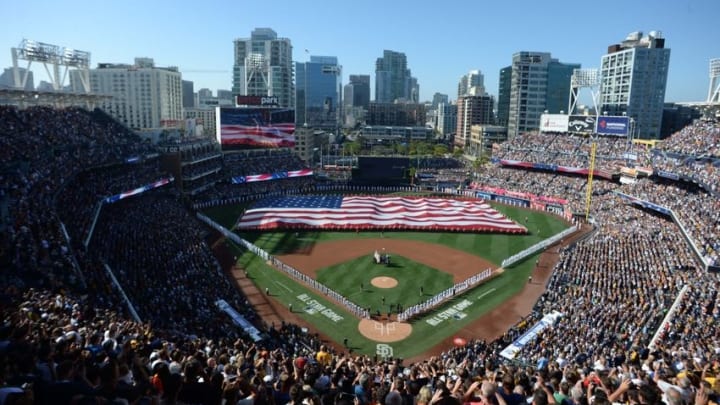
(380, 213)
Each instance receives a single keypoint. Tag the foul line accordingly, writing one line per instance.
(487, 292)
(283, 286)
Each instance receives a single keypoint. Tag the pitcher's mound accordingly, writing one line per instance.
(385, 332)
(384, 282)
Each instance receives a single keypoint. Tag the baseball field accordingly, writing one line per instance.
(422, 264)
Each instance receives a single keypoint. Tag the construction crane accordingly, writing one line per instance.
(207, 71)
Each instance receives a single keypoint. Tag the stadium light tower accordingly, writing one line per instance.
(51, 56)
(714, 90)
(584, 78)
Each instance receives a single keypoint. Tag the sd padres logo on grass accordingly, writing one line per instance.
(384, 350)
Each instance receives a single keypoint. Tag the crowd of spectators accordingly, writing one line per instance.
(700, 138)
(63, 344)
(77, 201)
(570, 150)
(244, 164)
(204, 167)
(42, 148)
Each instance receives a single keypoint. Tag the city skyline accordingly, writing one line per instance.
(439, 46)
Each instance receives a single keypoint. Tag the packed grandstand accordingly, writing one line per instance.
(69, 337)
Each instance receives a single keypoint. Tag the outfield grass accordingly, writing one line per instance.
(493, 247)
(424, 335)
(429, 329)
(347, 278)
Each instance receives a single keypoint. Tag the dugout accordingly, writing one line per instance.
(381, 171)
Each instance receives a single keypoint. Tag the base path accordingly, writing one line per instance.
(324, 254)
(462, 265)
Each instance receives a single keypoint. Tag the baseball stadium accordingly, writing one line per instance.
(570, 262)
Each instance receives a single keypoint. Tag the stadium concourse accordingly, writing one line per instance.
(68, 335)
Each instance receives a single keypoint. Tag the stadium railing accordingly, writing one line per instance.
(537, 247)
(668, 317)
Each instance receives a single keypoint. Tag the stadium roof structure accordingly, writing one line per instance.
(23, 98)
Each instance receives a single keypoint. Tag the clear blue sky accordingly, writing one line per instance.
(442, 39)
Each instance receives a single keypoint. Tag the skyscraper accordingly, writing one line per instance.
(357, 91)
(439, 98)
(188, 96)
(7, 79)
(472, 83)
(504, 86)
(319, 85)
(393, 80)
(447, 118)
(634, 77)
(472, 110)
(538, 83)
(143, 95)
(263, 67)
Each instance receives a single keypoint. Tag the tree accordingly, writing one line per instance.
(352, 148)
(440, 150)
(401, 148)
(458, 152)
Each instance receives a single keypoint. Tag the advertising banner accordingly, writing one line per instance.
(643, 203)
(553, 123)
(610, 125)
(269, 101)
(117, 197)
(583, 124)
(668, 175)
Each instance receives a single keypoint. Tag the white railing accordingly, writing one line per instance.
(445, 295)
(131, 308)
(537, 247)
(668, 317)
(287, 269)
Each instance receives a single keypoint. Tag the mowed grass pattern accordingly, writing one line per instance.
(347, 278)
(493, 247)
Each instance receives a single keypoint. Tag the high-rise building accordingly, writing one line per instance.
(357, 91)
(396, 114)
(264, 67)
(225, 97)
(319, 86)
(7, 79)
(504, 87)
(188, 97)
(634, 77)
(538, 83)
(472, 84)
(143, 95)
(204, 120)
(447, 118)
(413, 89)
(393, 79)
(439, 98)
(472, 110)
